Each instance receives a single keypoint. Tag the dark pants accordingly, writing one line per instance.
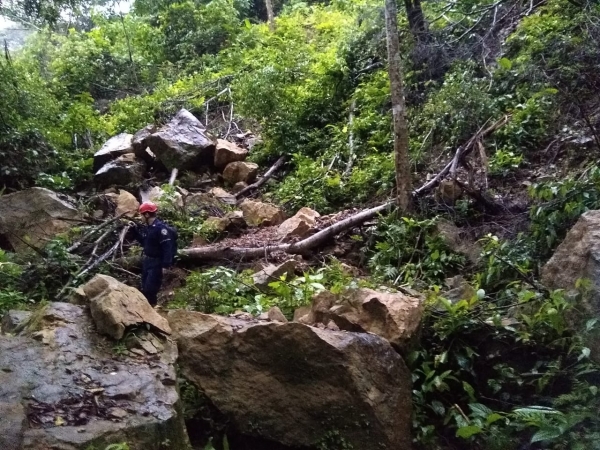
(151, 279)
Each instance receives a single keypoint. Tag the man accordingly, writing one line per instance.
(157, 241)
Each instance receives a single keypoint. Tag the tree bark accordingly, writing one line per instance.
(403, 180)
(270, 15)
(416, 20)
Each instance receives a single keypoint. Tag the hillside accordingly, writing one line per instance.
(266, 138)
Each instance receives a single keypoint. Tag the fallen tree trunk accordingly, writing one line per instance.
(268, 174)
(241, 253)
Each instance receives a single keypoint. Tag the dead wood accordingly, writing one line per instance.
(268, 174)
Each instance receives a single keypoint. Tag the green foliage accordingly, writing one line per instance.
(559, 204)
(408, 250)
(11, 296)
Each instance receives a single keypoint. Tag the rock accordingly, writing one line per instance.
(259, 213)
(156, 195)
(393, 316)
(301, 314)
(578, 257)
(240, 171)
(275, 315)
(232, 221)
(116, 146)
(452, 237)
(38, 379)
(448, 192)
(458, 289)
(126, 169)
(227, 152)
(13, 320)
(78, 297)
(293, 384)
(223, 196)
(34, 216)
(140, 144)
(126, 204)
(271, 273)
(116, 306)
(239, 186)
(182, 143)
(300, 225)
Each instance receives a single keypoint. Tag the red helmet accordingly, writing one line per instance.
(148, 207)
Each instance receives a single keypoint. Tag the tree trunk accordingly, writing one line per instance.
(403, 181)
(270, 15)
(416, 20)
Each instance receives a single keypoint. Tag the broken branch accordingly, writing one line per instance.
(268, 174)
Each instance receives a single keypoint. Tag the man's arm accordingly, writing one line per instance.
(166, 247)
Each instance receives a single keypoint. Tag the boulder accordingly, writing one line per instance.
(226, 152)
(116, 307)
(239, 186)
(393, 316)
(139, 143)
(222, 195)
(125, 203)
(116, 146)
(240, 171)
(61, 385)
(578, 257)
(156, 194)
(232, 221)
(273, 272)
(291, 384)
(182, 143)
(455, 240)
(34, 216)
(126, 169)
(258, 213)
(202, 201)
(300, 225)
(275, 315)
(13, 320)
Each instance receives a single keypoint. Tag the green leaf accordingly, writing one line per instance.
(438, 408)
(546, 434)
(468, 431)
(505, 63)
(494, 417)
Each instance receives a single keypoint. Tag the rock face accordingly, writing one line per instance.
(272, 272)
(300, 225)
(182, 143)
(61, 387)
(393, 316)
(259, 213)
(116, 306)
(578, 257)
(293, 384)
(140, 143)
(238, 171)
(116, 146)
(125, 203)
(34, 216)
(227, 152)
(126, 169)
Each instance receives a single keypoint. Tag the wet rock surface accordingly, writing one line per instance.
(291, 384)
(62, 386)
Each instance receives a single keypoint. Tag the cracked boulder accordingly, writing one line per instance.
(115, 307)
(34, 216)
(62, 386)
(182, 143)
(291, 384)
(116, 146)
(126, 169)
(393, 316)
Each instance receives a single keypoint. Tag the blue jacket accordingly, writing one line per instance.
(156, 241)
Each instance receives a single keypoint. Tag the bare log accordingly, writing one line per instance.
(268, 174)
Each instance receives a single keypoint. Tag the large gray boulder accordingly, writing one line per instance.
(293, 384)
(182, 143)
(125, 170)
(578, 257)
(116, 146)
(63, 387)
(34, 216)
